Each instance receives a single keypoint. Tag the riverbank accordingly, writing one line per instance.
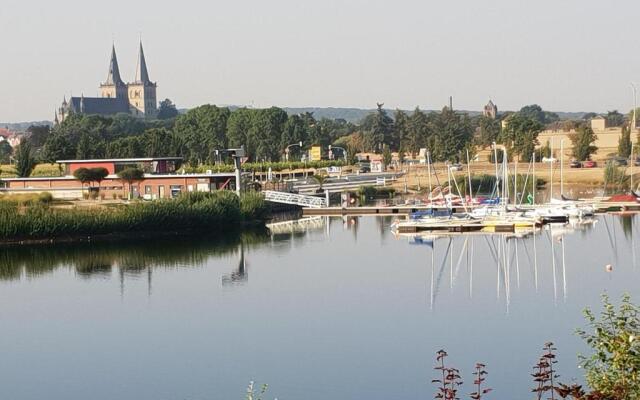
(191, 213)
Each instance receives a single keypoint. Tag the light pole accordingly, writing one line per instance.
(286, 150)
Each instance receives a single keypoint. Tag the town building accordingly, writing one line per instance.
(137, 98)
(490, 110)
(160, 180)
(599, 123)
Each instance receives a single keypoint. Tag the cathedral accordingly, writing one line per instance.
(137, 98)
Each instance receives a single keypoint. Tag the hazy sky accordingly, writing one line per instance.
(566, 55)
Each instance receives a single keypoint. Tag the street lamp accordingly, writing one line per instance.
(286, 150)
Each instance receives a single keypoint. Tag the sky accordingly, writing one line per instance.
(566, 55)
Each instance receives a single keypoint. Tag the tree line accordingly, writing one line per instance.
(200, 133)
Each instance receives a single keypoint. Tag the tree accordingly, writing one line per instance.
(448, 136)
(614, 118)
(38, 135)
(83, 175)
(489, 130)
(58, 147)
(130, 175)
(582, 141)
(544, 151)
(378, 129)
(265, 132)
(98, 174)
(401, 129)
(294, 131)
(88, 175)
(418, 132)
(387, 158)
(5, 152)
(521, 134)
(624, 143)
(167, 110)
(24, 159)
(238, 127)
(320, 180)
(83, 150)
(203, 130)
(159, 142)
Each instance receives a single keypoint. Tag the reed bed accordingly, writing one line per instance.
(215, 211)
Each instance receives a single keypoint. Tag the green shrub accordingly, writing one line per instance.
(613, 370)
(191, 211)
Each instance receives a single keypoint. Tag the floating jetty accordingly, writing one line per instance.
(600, 207)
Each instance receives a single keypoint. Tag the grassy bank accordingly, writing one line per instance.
(193, 212)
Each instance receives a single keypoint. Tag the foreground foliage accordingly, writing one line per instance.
(613, 370)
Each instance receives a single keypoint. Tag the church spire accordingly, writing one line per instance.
(113, 79)
(142, 75)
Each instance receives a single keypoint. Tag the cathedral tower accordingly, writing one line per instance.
(142, 92)
(113, 87)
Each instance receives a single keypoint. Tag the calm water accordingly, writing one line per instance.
(339, 310)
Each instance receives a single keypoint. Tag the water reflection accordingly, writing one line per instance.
(96, 260)
(452, 256)
(313, 290)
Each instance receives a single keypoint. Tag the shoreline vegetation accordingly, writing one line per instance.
(33, 221)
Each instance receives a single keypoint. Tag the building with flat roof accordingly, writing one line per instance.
(160, 180)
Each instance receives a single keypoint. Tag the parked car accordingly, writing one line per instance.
(575, 164)
(636, 162)
(456, 167)
(589, 164)
(619, 161)
(364, 169)
(549, 160)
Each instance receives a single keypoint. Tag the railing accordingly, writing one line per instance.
(295, 199)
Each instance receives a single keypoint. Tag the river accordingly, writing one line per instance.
(329, 309)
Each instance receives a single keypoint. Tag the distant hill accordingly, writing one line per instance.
(356, 115)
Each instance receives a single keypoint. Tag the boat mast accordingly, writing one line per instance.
(429, 169)
(535, 184)
(561, 168)
(515, 182)
(505, 162)
(551, 170)
(469, 174)
(495, 160)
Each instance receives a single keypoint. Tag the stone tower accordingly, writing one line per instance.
(142, 92)
(490, 110)
(114, 87)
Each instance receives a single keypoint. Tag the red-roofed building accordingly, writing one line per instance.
(160, 180)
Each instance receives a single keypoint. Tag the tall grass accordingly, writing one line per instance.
(24, 199)
(615, 179)
(215, 211)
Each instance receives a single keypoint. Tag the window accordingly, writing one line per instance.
(176, 190)
(147, 189)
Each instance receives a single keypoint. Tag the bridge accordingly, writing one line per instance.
(295, 199)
